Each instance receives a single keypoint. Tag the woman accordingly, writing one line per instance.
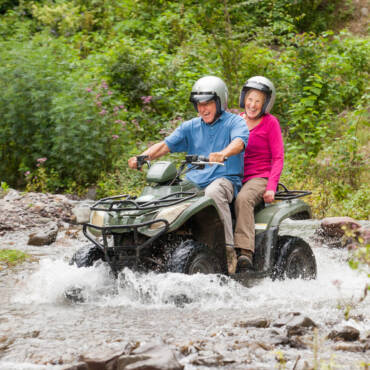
(263, 162)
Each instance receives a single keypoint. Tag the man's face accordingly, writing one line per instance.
(207, 111)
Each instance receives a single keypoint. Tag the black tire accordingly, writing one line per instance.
(295, 261)
(87, 256)
(191, 257)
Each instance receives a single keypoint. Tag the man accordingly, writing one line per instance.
(219, 135)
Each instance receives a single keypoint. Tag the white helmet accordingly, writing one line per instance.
(263, 84)
(210, 88)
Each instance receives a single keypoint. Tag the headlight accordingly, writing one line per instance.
(97, 218)
(170, 214)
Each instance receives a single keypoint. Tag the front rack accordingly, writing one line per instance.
(129, 204)
(286, 194)
(136, 246)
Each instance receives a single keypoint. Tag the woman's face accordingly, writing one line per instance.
(253, 101)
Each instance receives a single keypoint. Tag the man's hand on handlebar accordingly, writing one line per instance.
(138, 161)
(132, 163)
(217, 157)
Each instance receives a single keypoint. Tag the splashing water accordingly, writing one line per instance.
(40, 325)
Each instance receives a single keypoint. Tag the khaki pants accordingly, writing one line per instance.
(250, 194)
(222, 191)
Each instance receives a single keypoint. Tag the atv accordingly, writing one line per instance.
(173, 227)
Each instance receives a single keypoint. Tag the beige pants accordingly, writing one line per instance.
(250, 194)
(222, 191)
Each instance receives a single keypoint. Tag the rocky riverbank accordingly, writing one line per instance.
(277, 337)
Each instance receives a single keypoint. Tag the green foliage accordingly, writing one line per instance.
(28, 79)
(86, 84)
(12, 257)
(338, 175)
(359, 252)
(128, 74)
(4, 187)
(7, 4)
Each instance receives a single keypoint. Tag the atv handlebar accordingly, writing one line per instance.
(194, 159)
(200, 160)
(141, 159)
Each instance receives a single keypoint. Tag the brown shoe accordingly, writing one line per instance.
(231, 259)
(245, 260)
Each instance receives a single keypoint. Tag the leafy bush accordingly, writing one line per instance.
(28, 79)
(129, 74)
(144, 57)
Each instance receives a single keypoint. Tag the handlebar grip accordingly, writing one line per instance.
(202, 158)
(141, 160)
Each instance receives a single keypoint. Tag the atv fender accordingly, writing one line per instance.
(272, 215)
(202, 221)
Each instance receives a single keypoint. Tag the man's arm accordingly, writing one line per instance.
(154, 152)
(235, 147)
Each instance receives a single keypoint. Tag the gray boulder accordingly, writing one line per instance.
(45, 236)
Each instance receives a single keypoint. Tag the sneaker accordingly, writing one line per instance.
(245, 260)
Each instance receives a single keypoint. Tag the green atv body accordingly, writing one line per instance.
(174, 227)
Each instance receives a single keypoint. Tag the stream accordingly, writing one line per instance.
(198, 317)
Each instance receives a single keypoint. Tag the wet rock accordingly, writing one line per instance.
(254, 323)
(6, 342)
(301, 365)
(360, 236)
(331, 231)
(152, 356)
(280, 340)
(91, 193)
(346, 334)
(298, 325)
(284, 319)
(333, 226)
(78, 366)
(82, 212)
(263, 345)
(44, 237)
(98, 364)
(350, 347)
(11, 195)
(211, 359)
(364, 12)
(298, 343)
(19, 211)
(179, 300)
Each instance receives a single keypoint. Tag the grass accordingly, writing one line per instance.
(12, 257)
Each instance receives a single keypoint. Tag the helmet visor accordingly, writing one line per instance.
(201, 97)
(257, 85)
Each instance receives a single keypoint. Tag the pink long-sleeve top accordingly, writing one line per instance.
(264, 155)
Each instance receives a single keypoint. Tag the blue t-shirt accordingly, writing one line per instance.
(197, 137)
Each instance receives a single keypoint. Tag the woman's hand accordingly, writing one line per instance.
(269, 196)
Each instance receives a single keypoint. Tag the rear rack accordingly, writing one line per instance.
(129, 204)
(286, 194)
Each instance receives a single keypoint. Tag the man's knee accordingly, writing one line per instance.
(220, 189)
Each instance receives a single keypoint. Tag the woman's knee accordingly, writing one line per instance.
(244, 200)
